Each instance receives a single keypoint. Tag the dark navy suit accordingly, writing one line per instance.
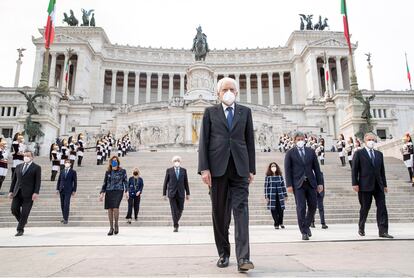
(67, 184)
(176, 189)
(304, 175)
(371, 180)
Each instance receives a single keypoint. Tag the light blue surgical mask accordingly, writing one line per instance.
(114, 163)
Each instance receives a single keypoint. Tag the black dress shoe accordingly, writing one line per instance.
(175, 229)
(19, 233)
(245, 265)
(61, 221)
(305, 237)
(385, 235)
(282, 226)
(277, 227)
(223, 262)
(361, 232)
(116, 230)
(324, 226)
(65, 222)
(111, 232)
(312, 225)
(309, 233)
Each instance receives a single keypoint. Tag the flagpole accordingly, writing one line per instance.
(354, 90)
(408, 71)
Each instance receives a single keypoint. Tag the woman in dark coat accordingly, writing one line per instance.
(113, 189)
(135, 186)
(275, 193)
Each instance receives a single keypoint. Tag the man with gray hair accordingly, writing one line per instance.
(304, 179)
(368, 180)
(176, 185)
(227, 164)
(24, 189)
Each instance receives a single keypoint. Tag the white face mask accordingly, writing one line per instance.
(67, 165)
(22, 141)
(370, 144)
(300, 143)
(229, 98)
(27, 159)
(273, 169)
(177, 164)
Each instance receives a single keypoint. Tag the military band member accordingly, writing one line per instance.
(72, 151)
(18, 147)
(320, 151)
(64, 153)
(99, 152)
(350, 150)
(54, 157)
(340, 145)
(4, 154)
(80, 149)
(407, 153)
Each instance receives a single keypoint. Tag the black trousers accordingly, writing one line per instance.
(20, 208)
(2, 178)
(277, 213)
(80, 161)
(305, 198)
(321, 209)
(365, 200)
(65, 204)
(177, 207)
(231, 192)
(133, 203)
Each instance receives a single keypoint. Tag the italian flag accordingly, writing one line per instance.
(50, 25)
(346, 26)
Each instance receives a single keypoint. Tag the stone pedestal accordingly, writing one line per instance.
(350, 127)
(49, 120)
(200, 83)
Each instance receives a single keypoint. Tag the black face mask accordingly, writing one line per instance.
(135, 173)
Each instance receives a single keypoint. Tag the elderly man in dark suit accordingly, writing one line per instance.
(304, 179)
(24, 190)
(66, 188)
(227, 165)
(176, 183)
(368, 179)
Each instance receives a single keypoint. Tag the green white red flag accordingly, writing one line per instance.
(346, 26)
(408, 71)
(50, 25)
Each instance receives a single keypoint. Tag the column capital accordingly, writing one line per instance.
(171, 75)
(148, 73)
(137, 73)
(53, 53)
(182, 75)
(126, 71)
(160, 74)
(270, 73)
(248, 74)
(237, 75)
(114, 71)
(281, 73)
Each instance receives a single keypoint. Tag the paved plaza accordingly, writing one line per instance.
(157, 251)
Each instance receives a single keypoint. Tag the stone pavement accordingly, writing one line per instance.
(157, 251)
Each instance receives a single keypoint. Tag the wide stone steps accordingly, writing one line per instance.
(341, 204)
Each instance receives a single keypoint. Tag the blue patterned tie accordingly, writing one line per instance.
(177, 173)
(229, 116)
(372, 157)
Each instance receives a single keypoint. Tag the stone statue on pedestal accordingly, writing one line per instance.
(32, 129)
(200, 45)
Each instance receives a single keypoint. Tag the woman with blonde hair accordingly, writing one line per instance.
(113, 189)
(135, 186)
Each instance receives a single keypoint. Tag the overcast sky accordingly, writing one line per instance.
(382, 27)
